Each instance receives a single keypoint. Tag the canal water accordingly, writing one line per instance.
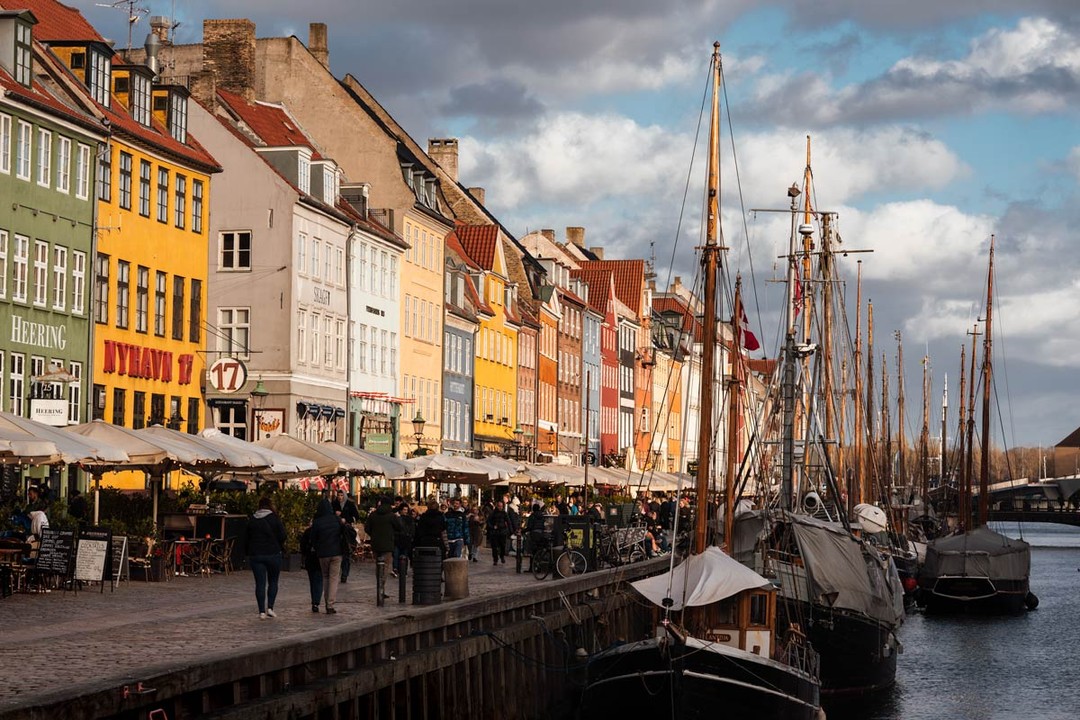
(974, 668)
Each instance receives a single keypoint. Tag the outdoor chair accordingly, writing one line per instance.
(220, 555)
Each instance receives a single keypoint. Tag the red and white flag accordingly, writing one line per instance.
(748, 339)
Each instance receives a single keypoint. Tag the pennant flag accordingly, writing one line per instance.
(749, 340)
(797, 295)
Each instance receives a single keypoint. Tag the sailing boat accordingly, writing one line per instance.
(834, 585)
(978, 570)
(721, 651)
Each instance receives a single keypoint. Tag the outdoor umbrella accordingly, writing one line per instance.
(327, 460)
(392, 468)
(19, 448)
(274, 463)
(452, 468)
(72, 448)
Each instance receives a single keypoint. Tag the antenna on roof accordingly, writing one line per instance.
(131, 7)
(650, 264)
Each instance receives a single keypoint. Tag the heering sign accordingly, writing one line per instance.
(49, 412)
(40, 335)
(145, 363)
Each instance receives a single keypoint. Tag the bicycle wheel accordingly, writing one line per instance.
(541, 563)
(571, 562)
(637, 554)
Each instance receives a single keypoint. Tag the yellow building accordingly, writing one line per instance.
(150, 269)
(495, 389)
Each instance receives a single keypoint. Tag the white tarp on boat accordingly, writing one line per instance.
(978, 553)
(701, 580)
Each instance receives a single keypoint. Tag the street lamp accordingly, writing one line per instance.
(258, 399)
(418, 431)
(518, 434)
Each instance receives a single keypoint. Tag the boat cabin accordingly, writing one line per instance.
(745, 621)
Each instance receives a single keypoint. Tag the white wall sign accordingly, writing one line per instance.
(49, 412)
(227, 375)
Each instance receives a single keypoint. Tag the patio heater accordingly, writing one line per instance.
(418, 432)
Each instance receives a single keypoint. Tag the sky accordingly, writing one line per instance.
(934, 125)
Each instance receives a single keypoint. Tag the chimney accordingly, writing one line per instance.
(598, 252)
(317, 43)
(576, 235)
(203, 88)
(161, 26)
(229, 53)
(445, 152)
(548, 233)
(478, 194)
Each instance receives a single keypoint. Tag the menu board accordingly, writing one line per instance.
(57, 548)
(92, 555)
(119, 566)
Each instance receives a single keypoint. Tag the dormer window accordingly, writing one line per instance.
(178, 116)
(304, 172)
(99, 77)
(140, 99)
(23, 69)
(329, 182)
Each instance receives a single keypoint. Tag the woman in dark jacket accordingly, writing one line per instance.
(326, 539)
(264, 543)
(498, 529)
(403, 541)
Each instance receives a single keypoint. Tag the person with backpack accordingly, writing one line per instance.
(327, 539)
(264, 544)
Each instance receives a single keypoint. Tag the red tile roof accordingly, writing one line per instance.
(56, 21)
(39, 95)
(479, 242)
(599, 282)
(629, 278)
(453, 243)
(675, 305)
(271, 123)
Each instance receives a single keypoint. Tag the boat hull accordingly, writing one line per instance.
(651, 679)
(858, 654)
(973, 595)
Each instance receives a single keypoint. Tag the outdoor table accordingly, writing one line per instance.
(185, 548)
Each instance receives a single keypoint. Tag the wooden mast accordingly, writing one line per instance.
(987, 376)
(887, 479)
(860, 431)
(969, 461)
(734, 407)
(924, 436)
(901, 439)
(961, 458)
(871, 460)
(710, 261)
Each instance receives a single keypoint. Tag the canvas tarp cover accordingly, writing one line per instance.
(702, 579)
(841, 576)
(979, 553)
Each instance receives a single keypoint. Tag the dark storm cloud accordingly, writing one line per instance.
(921, 14)
(496, 98)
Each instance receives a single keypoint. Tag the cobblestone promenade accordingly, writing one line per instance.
(63, 644)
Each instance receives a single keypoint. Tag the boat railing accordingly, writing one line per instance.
(796, 652)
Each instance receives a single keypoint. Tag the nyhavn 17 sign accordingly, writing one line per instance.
(227, 375)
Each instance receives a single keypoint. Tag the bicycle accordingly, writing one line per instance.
(620, 546)
(565, 563)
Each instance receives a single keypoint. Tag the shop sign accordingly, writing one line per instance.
(227, 375)
(379, 443)
(49, 412)
(39, 335)
(145, 363)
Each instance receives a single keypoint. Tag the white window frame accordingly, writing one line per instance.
(44, 158)
(20, 261)
(24, 151)
(229, 260)
(234, 331)
(3, 267)
(82, 173)
(301, 254)
(301, 335)
(59, 272)
(361, 355)
(17, 386)
(313, 270)
(5, 144)
(75, 393)
(78, 282)
(63, 164)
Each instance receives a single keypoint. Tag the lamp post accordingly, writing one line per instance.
(518, 434)
(418, 432)
(258, 398)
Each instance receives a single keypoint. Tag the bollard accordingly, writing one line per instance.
(380, 582)
(456, 572)
(518, 554)
(403, 570)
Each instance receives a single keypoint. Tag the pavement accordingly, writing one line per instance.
(80, 641)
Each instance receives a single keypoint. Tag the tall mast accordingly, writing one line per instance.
(710, 260)
(969, 467)
(962, 455)
(901, 440)
(988, 351)
(944, 436)
(860, 432)
(867, 495)
(924, 436)
(826, 268)
(887, 479)
(734, 406)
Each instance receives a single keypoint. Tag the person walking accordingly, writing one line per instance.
(382, 527)
(475, 526)
(264, 544)
(326, 537)
(498, 529)
(403, 540)
(314, 571)
(457, 528)
(431, 528)
(349, 514)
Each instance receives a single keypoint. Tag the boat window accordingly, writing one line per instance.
(759, 609)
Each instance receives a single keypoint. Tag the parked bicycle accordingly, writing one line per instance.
(549, 556)
(619, 546)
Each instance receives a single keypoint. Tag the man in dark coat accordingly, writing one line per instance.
(348, 513)
(264, 543)
(457, 528)
(498, 529)
(326, 539)
(431, 528)
(403, 541)
(382, 526)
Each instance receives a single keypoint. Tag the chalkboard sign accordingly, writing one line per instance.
(119, 564)
(57, 548)
(92, 555)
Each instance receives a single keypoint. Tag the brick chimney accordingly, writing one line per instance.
(229, 54)
(576, 235)
(548, 233)
(598, 252)
(161, 26)
(478, 194)
(317, 43)
(445, 152)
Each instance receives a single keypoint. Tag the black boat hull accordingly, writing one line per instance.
(858, 654)
(642, 680)
(973, 595)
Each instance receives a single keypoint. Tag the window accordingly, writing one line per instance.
(178, 307)
(63, 165)
(193, 413)
(196, 206)
(234, 328)
(361, 357)
(328, 344)
(5, 144)
(301, 335)
(138, 410)
(363, 269)
(75, 393)
(314, 271)
(235, 250)
(159, 304)
(41, 272)
(125, 180)
(44, 159)
(195, 319)
(232, 420)
(393, 354)
(384, 273)
(59, 277)
(98, 77)
(180, 201)
(101, 289)
(163, 195)
(304, 168)
(140, 99)
(22, 151)
(339, 345)
(157, 409)
(78, 282)
(123, 292)
(119, 400)
(82, 173)
(142, 298)
(3, 266)
(393, 276)
(407, 315)
(178, 117)
(144, 188)
(301, 254)
(16, 386)
(328, 271)
(383, 352)
(373, 358)
(23, 74)
(314, 325)
(105, 175)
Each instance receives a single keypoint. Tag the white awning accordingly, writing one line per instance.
(702, 579)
